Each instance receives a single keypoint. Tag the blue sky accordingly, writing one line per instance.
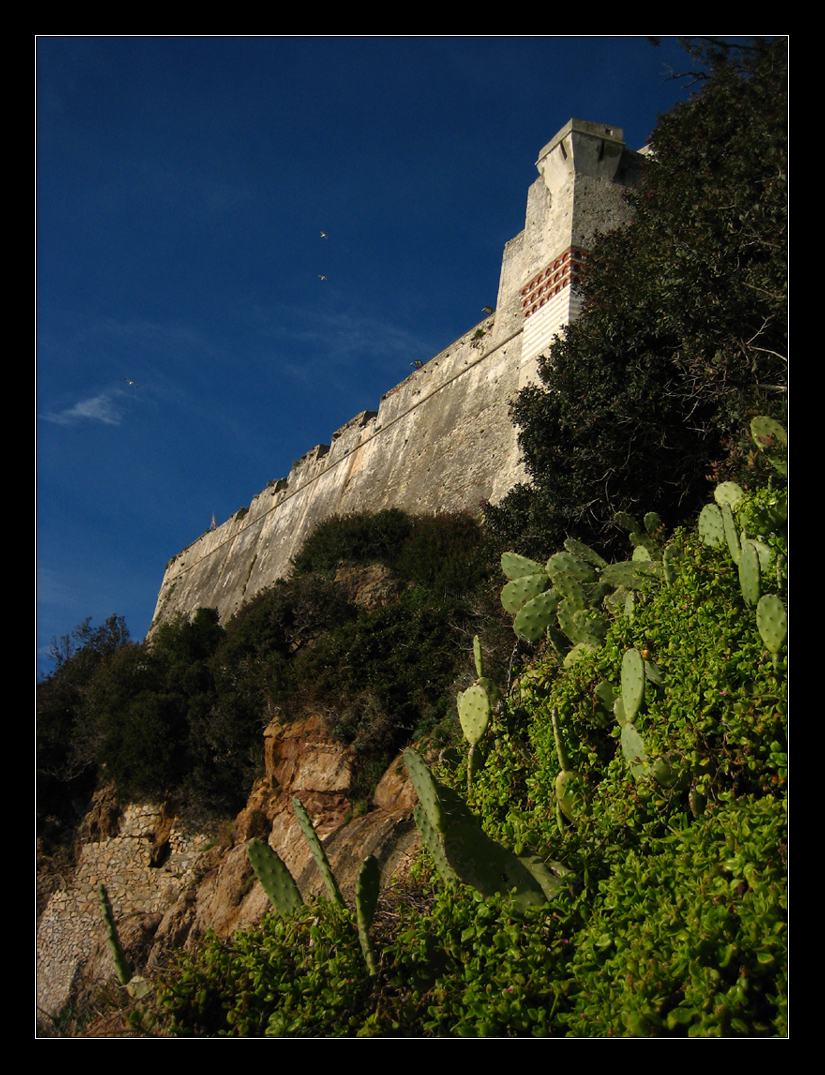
(182, 187)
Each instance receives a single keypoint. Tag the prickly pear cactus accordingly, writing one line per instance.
(514, 566)
(474, 713)
(584, 552)
(670, 560)
(772, 621)
(711, 526)
(318, 852)
(469, 853)
(638, 537)
(749, 573)
(432, 841)
(571, 589)
(519, 591)
(479, 662)
(633, 748)
(366, 900)
(627, 522)
(606, 694)
(653, 674)
(275, 878)
(633, 683)
(536, 616)
(618, 711)
(569, 789)
(566, 563)
(653, 524)
(731, 535)
(426, 788)
(632, 574)
(728, 493)
(771, 439)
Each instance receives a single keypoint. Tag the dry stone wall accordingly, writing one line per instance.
(442, 440)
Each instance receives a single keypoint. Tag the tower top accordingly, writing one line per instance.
(603, 131)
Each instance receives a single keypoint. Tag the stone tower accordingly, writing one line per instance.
(442, 440)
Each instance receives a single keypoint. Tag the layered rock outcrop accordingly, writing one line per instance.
(171, 877)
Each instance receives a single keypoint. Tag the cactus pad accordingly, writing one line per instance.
(772, 621)
(771, 439)
(514, 566)
(711, 526)
(461, 846)
(518, 592)
(749, 573)
(728, 493)
(275, 878)
(536, 616)
(633, 683)
(633, 748)
(366, 900)
(479, 663)
(731, 536)
(474, 713)
(318, 852)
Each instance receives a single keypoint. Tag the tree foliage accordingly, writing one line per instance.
(184, 712)
(64, 772)
(683, 337)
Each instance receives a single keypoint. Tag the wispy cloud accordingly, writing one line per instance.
(342, 340)
(98, 409)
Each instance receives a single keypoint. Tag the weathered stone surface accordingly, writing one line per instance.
(165, 902)
(368, 587)
(71, 929)
(395, 791)
(302, 756)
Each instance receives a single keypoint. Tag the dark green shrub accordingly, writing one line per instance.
(297, 976)
(444, 554)
(360, 538)
(66, 769)
(286, 617)
(692, 939)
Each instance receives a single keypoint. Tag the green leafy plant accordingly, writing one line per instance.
(285, 896)
(463, 851)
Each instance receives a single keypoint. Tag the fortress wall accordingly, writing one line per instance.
(442, 440)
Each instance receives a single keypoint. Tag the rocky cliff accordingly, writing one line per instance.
(172, 876)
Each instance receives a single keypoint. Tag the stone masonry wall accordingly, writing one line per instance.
(442, 440)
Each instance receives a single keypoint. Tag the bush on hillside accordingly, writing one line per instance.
(673, 919)
(359, 538)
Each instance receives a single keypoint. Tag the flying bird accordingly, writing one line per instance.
(133, 383)
(324, 235)
(487, 310)
(322, 277)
